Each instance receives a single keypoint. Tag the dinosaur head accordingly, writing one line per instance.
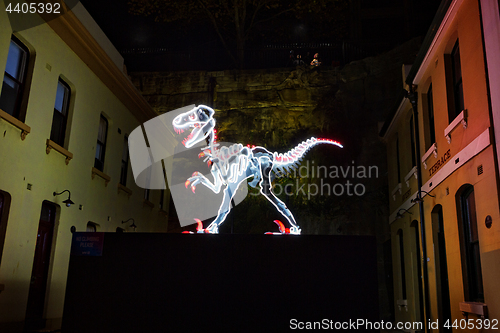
(199, 120)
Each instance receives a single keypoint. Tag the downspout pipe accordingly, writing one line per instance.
(413, 97)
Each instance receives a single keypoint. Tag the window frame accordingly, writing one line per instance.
(470, 249)
(430, 116)
(99, 161)
(124, 163)
(61, 140)
(412, 142)
(20, 103)
(162, 200)
(92, 227)
(458, 90)
(398, 159)
(454, 84)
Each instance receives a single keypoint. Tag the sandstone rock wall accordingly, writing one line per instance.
(266, 106)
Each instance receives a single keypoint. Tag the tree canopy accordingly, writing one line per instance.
(235, 22)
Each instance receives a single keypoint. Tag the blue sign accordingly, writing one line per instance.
(87, 244)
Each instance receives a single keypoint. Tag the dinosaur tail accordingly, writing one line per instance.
(289, 161)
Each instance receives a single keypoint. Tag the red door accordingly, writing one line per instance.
(40, 272)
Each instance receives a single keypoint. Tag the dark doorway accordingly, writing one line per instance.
(40, 272)
(417, 257)
(4, 213)
(469, 239)
(444, 307)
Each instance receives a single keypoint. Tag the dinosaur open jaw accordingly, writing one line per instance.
(187, 139)
(193, 137)
(193, 128)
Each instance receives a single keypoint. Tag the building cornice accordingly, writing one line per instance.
(428, 46)
(79, 39)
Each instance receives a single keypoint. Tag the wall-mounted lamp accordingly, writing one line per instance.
(419, 198)
(68, 201)
(399, 215)
(133, 223)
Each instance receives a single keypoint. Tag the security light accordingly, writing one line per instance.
(68, 201)
(419, 198)
(133, 223)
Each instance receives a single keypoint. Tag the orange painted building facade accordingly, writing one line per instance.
(443, 174)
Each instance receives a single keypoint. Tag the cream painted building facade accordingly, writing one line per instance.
(443, 174)
(67, 108)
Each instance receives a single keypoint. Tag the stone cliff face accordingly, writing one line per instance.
(266, 107)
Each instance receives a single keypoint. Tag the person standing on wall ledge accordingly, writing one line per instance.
(315, 62)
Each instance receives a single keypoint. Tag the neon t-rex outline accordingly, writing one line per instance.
(232, 165)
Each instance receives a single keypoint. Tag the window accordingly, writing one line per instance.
(412, 143)
(454, 83)
(471, 259)
(402, 264)
(92, 227)
(430, 114)
(398, 160)
(60, 118)
(162, 200)
(100, 148)
(123, 174)
(14, 80)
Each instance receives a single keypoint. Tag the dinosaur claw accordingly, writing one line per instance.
(281, 226)
(193, 188)
(187, 183)
(199, 227)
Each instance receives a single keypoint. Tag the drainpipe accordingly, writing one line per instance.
(413, 97)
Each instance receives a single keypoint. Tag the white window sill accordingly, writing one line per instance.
(413, 172)
(52, 145)
(25, 129)
(477, 308)
(432, 150)
(101, 174)
(124, 189)
(461, 118)
(396, 189)
(402, 303)
(147, 203)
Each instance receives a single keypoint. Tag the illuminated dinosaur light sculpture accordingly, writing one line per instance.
(230, 166)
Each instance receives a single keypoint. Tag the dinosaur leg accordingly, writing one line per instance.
(266, 190)
(224, 209)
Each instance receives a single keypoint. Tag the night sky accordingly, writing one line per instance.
(376, 21)
(123, 29)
